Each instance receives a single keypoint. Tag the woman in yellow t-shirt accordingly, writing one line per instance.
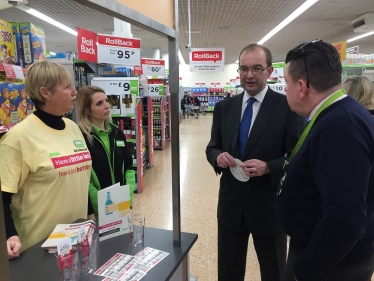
(45, 165)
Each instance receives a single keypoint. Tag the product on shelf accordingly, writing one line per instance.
(5, 111)
(7, 44)
(17, 96)
(33, 40)
(18, 56)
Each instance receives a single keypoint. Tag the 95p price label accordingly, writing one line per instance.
(118, 55)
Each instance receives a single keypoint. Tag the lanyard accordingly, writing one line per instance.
(326, 104)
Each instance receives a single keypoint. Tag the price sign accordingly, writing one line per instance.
(117, 50)
(155, 90)
(13, 71)
(153, 67)
(278, 88)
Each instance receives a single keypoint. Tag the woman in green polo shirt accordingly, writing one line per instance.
(111, 157)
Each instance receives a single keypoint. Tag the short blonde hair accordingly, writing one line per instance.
(361, 89)
(44, 74)
(84, 102)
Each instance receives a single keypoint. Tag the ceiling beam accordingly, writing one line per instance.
(121, 12)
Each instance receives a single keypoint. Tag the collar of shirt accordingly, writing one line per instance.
(314, 111)
(98, 131)
(259, 97)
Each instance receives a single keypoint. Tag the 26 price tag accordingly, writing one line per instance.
(155, 90)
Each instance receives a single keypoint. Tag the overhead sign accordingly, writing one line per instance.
(87, 48)
(353, 50)
(207, 60)
(341, 47)
(153, 67)
(118, 50)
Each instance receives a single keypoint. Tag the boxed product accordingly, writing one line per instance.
(5, 113)
(17, 44)
(6, 43)
(16, 89)
(33, 43)
(18, 102)
(30, 104)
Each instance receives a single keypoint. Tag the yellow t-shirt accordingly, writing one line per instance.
(49, 173)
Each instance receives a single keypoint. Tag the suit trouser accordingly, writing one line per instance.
(232, 253)
(359, 272)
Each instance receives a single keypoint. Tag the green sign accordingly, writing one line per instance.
(134, 87)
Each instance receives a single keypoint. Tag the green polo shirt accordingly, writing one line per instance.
(104, 136)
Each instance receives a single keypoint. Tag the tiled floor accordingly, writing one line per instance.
(199, 192)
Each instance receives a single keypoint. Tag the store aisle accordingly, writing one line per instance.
(199, 195)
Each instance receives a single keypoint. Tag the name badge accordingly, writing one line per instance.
(120, 143)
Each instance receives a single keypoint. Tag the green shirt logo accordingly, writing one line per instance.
(78, 143)
(120, 143)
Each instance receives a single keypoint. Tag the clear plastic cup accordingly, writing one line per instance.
(68, 266)
(137, 227)
(88, 254)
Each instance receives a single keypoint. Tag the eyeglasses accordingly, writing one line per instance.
(255, 70)
(304, 58)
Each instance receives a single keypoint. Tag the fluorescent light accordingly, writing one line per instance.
(181, 59)
(52, 53)
(361, 36)
(307, 4)
(47, 19)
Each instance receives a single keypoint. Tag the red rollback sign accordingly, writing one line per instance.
(87, 47)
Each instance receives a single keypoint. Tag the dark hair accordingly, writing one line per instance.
(269, 56)
(323, 64)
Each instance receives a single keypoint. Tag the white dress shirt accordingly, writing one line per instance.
(255, 106)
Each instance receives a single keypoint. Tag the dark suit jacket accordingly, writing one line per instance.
(275, 132)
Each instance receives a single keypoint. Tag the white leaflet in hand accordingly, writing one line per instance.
(238, 172)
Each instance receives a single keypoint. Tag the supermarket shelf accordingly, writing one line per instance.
(131, 140)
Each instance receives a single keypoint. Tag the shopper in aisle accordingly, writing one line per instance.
(327, 201)
(41, 183)
(196, 102)
(249, 207)
(111, 157)
(189, 99)
(183, 106)
(361, 89)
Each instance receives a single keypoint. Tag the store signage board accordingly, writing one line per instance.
(118, 50)
(353, 50)
(155, 90)
(121, 92)
(278, 87)
(153, 67)
(87, 47)
(207, 60)
(341, 47)
(138, 70)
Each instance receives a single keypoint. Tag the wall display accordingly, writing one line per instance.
(118, 50)
(153, 67)
(207, 60)
(121, 92)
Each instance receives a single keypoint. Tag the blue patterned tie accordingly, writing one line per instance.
(245, 124)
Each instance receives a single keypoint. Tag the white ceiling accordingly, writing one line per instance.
(230, 24)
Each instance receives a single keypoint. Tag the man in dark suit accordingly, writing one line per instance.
(258, 128)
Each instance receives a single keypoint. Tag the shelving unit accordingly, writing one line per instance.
(147, 124)
(159, 123)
